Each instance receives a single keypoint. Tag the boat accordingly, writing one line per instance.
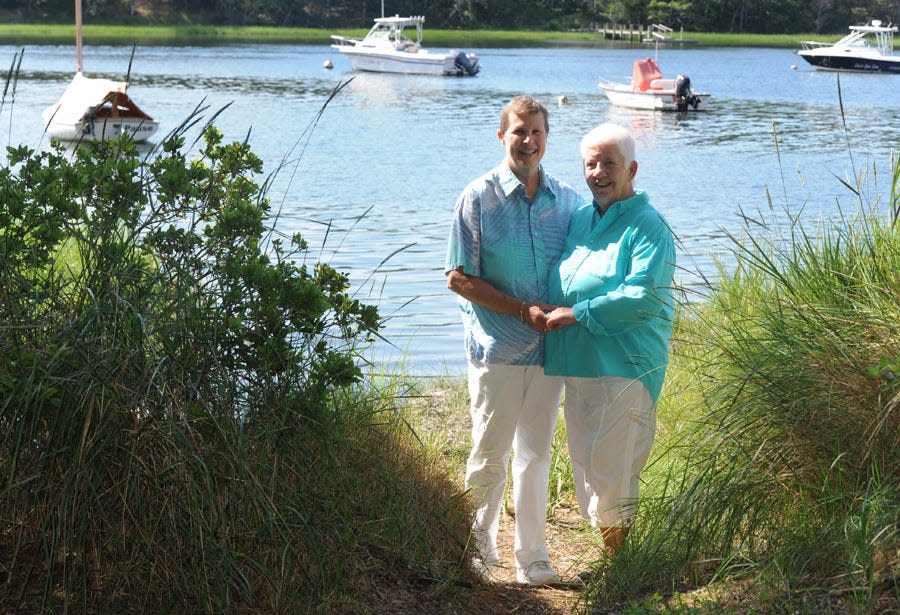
(93, 109)
(648, 90)
(388, 49)
(868, 49)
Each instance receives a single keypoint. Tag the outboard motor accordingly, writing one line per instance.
(463, 63)
(684, 95)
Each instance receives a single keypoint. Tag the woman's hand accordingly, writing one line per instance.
(559, 318)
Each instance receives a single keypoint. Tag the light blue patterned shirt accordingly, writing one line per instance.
(512, 242)
(616, 274)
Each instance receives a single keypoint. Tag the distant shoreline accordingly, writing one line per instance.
(60, 34)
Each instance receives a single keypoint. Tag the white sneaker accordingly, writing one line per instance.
(537, 573)
(484, 570)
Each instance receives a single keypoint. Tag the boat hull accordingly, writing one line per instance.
(622, 95)
(822, 60)
(410, 63)
(103, 129)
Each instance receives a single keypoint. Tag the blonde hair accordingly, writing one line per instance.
(523, 105)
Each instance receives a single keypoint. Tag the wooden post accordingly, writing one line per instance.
(78, 35)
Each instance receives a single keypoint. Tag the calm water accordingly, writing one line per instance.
(390, 154)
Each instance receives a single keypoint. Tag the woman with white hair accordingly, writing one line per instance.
(610, 337)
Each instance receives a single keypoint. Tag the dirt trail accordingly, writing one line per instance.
(572, 549)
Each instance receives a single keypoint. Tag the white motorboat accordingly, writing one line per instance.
(648, 90)
(388, 49)
(867, 49)
(93, 109)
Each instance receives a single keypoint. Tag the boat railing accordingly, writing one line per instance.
(343, 41)
(885, 42)
(806, 45)
(661, 31)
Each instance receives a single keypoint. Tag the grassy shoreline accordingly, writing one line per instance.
(61, 34)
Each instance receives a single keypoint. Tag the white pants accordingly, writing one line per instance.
(513, 407)
(610, 424)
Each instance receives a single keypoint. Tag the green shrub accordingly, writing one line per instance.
(180, 426)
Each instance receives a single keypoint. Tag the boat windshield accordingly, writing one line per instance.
(391, 29)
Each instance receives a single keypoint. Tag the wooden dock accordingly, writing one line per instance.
(652, 34)
(622, 32)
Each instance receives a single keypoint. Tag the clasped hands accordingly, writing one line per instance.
(544, 317)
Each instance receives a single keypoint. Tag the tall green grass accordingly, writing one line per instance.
(185, 425)
(185, 34)
(777, 461)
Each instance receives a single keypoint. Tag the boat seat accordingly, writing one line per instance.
(662, 84)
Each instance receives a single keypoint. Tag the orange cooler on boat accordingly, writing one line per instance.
(645, 71)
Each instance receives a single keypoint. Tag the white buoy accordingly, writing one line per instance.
(327, 64)
(793, 67)
(562, 100)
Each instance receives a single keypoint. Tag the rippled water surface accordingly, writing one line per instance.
(372, 185)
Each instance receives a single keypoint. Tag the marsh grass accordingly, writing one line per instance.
(185, 425)
(777, 456)
(194, 34)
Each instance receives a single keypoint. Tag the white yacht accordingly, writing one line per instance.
(868, 49)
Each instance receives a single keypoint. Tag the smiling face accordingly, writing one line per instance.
(609, 175)
(525, 139)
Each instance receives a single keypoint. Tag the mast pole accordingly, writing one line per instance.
(78, 35)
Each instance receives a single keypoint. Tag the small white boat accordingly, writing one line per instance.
(868, 49)
(648, 90)
(387, 49)
(95, 109)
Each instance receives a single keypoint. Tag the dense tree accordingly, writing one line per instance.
(763, 16)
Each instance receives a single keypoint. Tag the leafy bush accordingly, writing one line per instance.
(178, 416)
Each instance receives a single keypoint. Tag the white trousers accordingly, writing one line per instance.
(513, 408)
(610, 424)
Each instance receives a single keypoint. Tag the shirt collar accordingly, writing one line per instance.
(639, 197)
(509, 182)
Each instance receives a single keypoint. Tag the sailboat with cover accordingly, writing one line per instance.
(92, 109)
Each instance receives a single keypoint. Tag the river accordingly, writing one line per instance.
(372, 185)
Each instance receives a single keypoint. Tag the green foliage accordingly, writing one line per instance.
(669, 12)
(183, 424)
(760, 16)
(779, 448)
(171, 272)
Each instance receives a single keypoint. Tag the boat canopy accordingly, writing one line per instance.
(86, 95)
(401, 22)
(884, 36)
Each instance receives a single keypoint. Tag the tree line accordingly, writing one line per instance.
(750, 16)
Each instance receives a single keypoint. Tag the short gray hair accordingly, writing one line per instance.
(610, 133)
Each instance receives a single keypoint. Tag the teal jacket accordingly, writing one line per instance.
(616, 273)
